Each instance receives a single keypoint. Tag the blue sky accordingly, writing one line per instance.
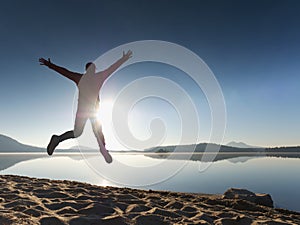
(252, 47)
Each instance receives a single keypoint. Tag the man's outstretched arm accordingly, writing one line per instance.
(63, 71)
(106, 73)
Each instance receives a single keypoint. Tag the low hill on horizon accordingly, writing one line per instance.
(202, 147)
(8, 144)
(240, 145)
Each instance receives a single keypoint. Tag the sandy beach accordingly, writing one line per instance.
(25, 200)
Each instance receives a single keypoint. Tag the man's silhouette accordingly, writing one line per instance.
(89, 85)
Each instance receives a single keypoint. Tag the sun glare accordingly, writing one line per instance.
(105, 111)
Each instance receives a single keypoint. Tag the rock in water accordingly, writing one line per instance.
(264, 199)
(260, 199)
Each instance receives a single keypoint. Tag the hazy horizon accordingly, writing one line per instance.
(230, 144)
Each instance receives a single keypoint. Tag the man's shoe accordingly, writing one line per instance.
(106, 155)
(52, 144)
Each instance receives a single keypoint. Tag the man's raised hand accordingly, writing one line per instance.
(45, 62)
(127, 55)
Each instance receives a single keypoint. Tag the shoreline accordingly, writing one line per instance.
(25, 200)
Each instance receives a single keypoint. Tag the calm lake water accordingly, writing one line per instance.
(279, 177)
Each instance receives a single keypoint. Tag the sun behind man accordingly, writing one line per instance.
(89, 85)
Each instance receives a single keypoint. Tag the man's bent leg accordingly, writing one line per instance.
(55, 140)
(80, 121)
(67, 135)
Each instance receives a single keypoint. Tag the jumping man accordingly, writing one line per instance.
(89, 85)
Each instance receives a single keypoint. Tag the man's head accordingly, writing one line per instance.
(90, 67)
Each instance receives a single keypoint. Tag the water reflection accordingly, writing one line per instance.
(278, 176)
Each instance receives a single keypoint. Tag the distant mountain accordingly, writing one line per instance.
(222, 152)
(8, 144)
(202, 147)
(240, 145)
